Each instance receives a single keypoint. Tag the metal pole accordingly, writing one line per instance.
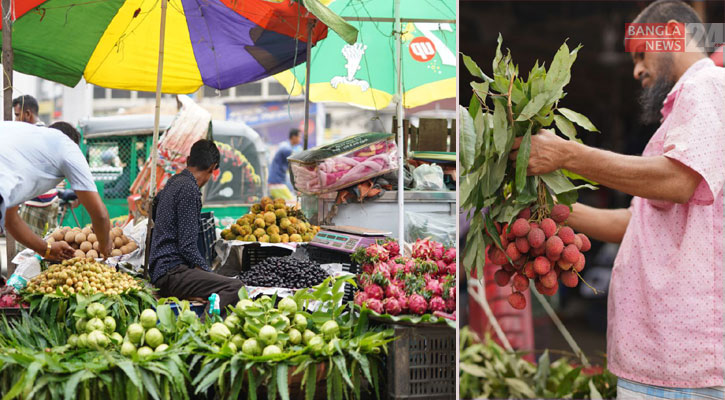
(7, 60)
(399, 95)
(310, 27)
(157, 116)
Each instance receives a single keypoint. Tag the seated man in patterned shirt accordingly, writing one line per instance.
(176, 265)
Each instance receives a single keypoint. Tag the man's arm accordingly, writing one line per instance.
(23, 234)
(656, 178)
(99, 218)
(600, 224)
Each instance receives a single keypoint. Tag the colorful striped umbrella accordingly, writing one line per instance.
(114, 43)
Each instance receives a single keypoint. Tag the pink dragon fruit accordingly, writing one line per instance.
(451, 268)
(434, 286)
(450, 304)
(442, 267)
(393, 291)
(384, 269)
(437, 304)
(422, 249)
(368, 268)
(452, 293)
(375, 305)
(392, 247)
(377, 252)
(438, 251)
(450, 255)
(360, 298)
(403, 301)
(374, 292)
(417, 304)
(364, 280)
(392, 306)
(409, 266)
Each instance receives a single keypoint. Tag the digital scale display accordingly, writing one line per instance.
(335, 240)
(346, 238)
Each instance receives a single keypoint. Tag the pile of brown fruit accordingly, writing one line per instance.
(86, 244)
(82, 275)
(546, 251)
(271, 222)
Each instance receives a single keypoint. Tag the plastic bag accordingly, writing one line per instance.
(429, 177)
(28, 269)
(439, 227)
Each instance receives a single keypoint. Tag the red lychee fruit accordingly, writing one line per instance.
(520, 227)
(528, 270)
(566, 234)
(525, 213)
(579, 264)
(509, 233)
(542, 265)
(550, 279)
(586, 244)
(496, 255)
(517, 300)
(545, 290)
(521, 282)
(565, 266)
(537, 251)
(549, 227)
(554, 246)
(569, 279)
(502, 277)
(509, 267)
(578, 242)
(504, 240)
(560, 212)
(536, 237)
(570, 254)
(512, 252)
(522, 245)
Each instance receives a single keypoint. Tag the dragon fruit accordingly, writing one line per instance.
(438, 251)
(365, 280)
(368, 268)
(374, 292)
(392, 247)
(450, 304)
(360, 298)
(451, 268)
(392, 306)
(452, 293)
(403, 301)
(417, 304)
(422, 249)
(377, 252)
(434, 286)
(384, 269)
(375, 305)
(450, 255)
(442, 266)
(437, 304)
(409, 266)
(393, 291)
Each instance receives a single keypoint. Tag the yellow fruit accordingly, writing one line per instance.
(274, 229)
(264, 238)
(307, 237)
(259, 232)
(265, 200)
(250, 238)
(274, 238)
(293, 220)
(269, 207)
(255, 208)
(240, 237)
(259, 223)
(284, 223)
(292, 230)
(280, 213)
(295, 238)
(284, 238)
(240, 221)
(301, 228)
(279, 202)
(246, 229)
(270, 218)
(236, 229)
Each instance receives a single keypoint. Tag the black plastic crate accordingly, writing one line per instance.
(254, 254)
(207, 236)
(421, 363)
(325, 256)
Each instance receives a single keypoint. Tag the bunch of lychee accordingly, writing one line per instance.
(547, 252)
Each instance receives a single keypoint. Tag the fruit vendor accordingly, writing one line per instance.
(279, 185)
(665, 331)
(177, 267)
(34, 160)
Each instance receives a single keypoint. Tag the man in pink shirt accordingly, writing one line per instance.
(665, 314)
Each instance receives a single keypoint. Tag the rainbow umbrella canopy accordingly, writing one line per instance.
(115, 43)
(364, 73)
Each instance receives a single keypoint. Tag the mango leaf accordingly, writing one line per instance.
(558, 183)
(522, 161)
(568, 198)
(500, 131)
(480, 89)
(575, 176)
(534, 106)
(565, 126)
(559, 72)
(492, 180)
(474, 69)
(499, 56)
(468, 138)
(578, 119)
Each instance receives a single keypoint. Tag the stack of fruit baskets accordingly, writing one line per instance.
(271, 222)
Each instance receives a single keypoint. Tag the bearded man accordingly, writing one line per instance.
(666, 325)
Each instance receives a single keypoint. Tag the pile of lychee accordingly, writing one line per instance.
(86, 245)
(546, 251)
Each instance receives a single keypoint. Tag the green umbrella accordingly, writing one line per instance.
(364, 74)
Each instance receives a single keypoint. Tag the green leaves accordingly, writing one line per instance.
(522, 161)
(578, 119)
(565, 126)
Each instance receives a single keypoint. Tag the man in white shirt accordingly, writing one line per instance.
(32, 161)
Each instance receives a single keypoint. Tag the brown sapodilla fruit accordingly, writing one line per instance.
(566, 234)
(502, 277)
(542, 265)
(570, 254)
(569, 279)
(521, 282)
(560, 212)
(586, 244)
(536, 237)
(520, 227)
(517, 300)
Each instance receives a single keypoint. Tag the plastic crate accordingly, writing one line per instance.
(207, 236)
(422, 363)
(326, 256)
(254, 253)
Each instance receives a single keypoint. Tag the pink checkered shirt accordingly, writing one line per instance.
(666, 325)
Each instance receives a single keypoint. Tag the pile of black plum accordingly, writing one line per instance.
(284, 272)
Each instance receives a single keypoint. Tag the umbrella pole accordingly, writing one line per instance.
(399, 112)
(7, 60)
(154, 146)
(310, 27)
